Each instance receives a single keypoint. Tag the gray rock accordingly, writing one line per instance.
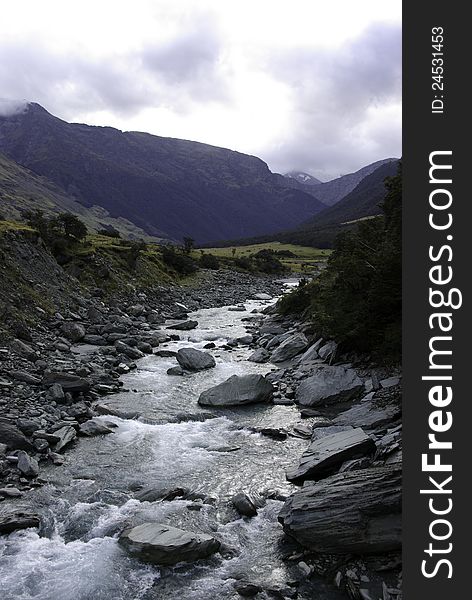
(165, 353)
(10, 492)
(328, 350)
(195, 360)
(28, 426)
(27, 465)
(328, 385)
(23, 349)
(25, 377)
(290, 347)
(128, 351)
(144, 347)
(390, 382)
(244, 505)
(184, 326)
(175, 371)
(354, 512)
(94, 427)
(18, 520)
(94, 340)
(56, 392)
(368, 415)
(260, 356)
(238, 390)
(311, 353)
(166, 545)
(12, 437)
(326, 454)
(67, 381)
(73, 331)
(262, 296)
(66, 435)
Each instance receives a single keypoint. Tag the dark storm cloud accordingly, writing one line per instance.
(340, 99)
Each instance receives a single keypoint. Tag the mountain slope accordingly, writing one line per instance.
(303, 178)
(333, 191)
(320, 231)
(22, 190)
(164, 186)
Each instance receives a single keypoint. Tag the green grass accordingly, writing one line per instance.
(305, 259)
(13, 226)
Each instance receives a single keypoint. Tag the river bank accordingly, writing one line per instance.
(156, 455)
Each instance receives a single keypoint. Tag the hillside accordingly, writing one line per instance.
(333, 191)
(320, 231)
(22, 190)
(168, 187)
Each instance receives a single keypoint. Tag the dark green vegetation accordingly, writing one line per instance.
(168, 187)
(363, 202)
(357, 299)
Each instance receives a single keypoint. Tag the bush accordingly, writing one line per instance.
(182, 263)
(60, 233)
(110, 232)
(209, 261)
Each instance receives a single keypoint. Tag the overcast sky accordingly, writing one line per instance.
(313, 85)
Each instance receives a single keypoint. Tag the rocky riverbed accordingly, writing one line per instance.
(226, 452)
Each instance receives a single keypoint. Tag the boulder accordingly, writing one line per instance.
(128, 351)
(184, 326)
(328, 453)
(244, 505)
(178, 371)
(18, 520)
(328, 385)
(354, 512)
(260, 356)
(290, 347)
(67, 381)
(328, 350)
(94, 427)
(195, 360)
(25, 377)
(237, 391)
(166, 545)
(368, 415)
(262, 296)
(12, 437)
(72, 331)
(94, 340)
(23, 349)
(27, 465)
(66, 435)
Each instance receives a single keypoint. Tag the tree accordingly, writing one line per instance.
(71, 225)
(188, 244)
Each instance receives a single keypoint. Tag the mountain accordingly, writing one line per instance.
(167, 187)
(364, 201)
(303, 178)
(22, 190)
(333, 191)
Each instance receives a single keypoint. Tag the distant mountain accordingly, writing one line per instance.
(363, 202)
(22, 190)
(333, 191)
(304, 178)
(165, 186)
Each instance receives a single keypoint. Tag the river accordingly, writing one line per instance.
(173, 443)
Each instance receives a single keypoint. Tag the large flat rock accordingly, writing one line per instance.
(237, 391)
(368, 415)
(166, 545)
(290, 347)
(354, 512)
(326, 454)
(329, 384)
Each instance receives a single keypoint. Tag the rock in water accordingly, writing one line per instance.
(19, 520)
(244, 505)
(290, 348)
(355, 512)
(94, 427)
(166, 545)
(66, 435)
(329, 385)
(238, 390)
(195, 360)
(325, 454)
(184, 326)
(260, 356)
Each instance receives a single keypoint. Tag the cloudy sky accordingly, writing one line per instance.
(308, 84)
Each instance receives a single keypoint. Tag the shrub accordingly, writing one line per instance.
(209, 261)
(182, 263)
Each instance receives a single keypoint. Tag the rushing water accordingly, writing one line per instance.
(174, 442)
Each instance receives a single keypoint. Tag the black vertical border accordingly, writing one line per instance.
(424, 132)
